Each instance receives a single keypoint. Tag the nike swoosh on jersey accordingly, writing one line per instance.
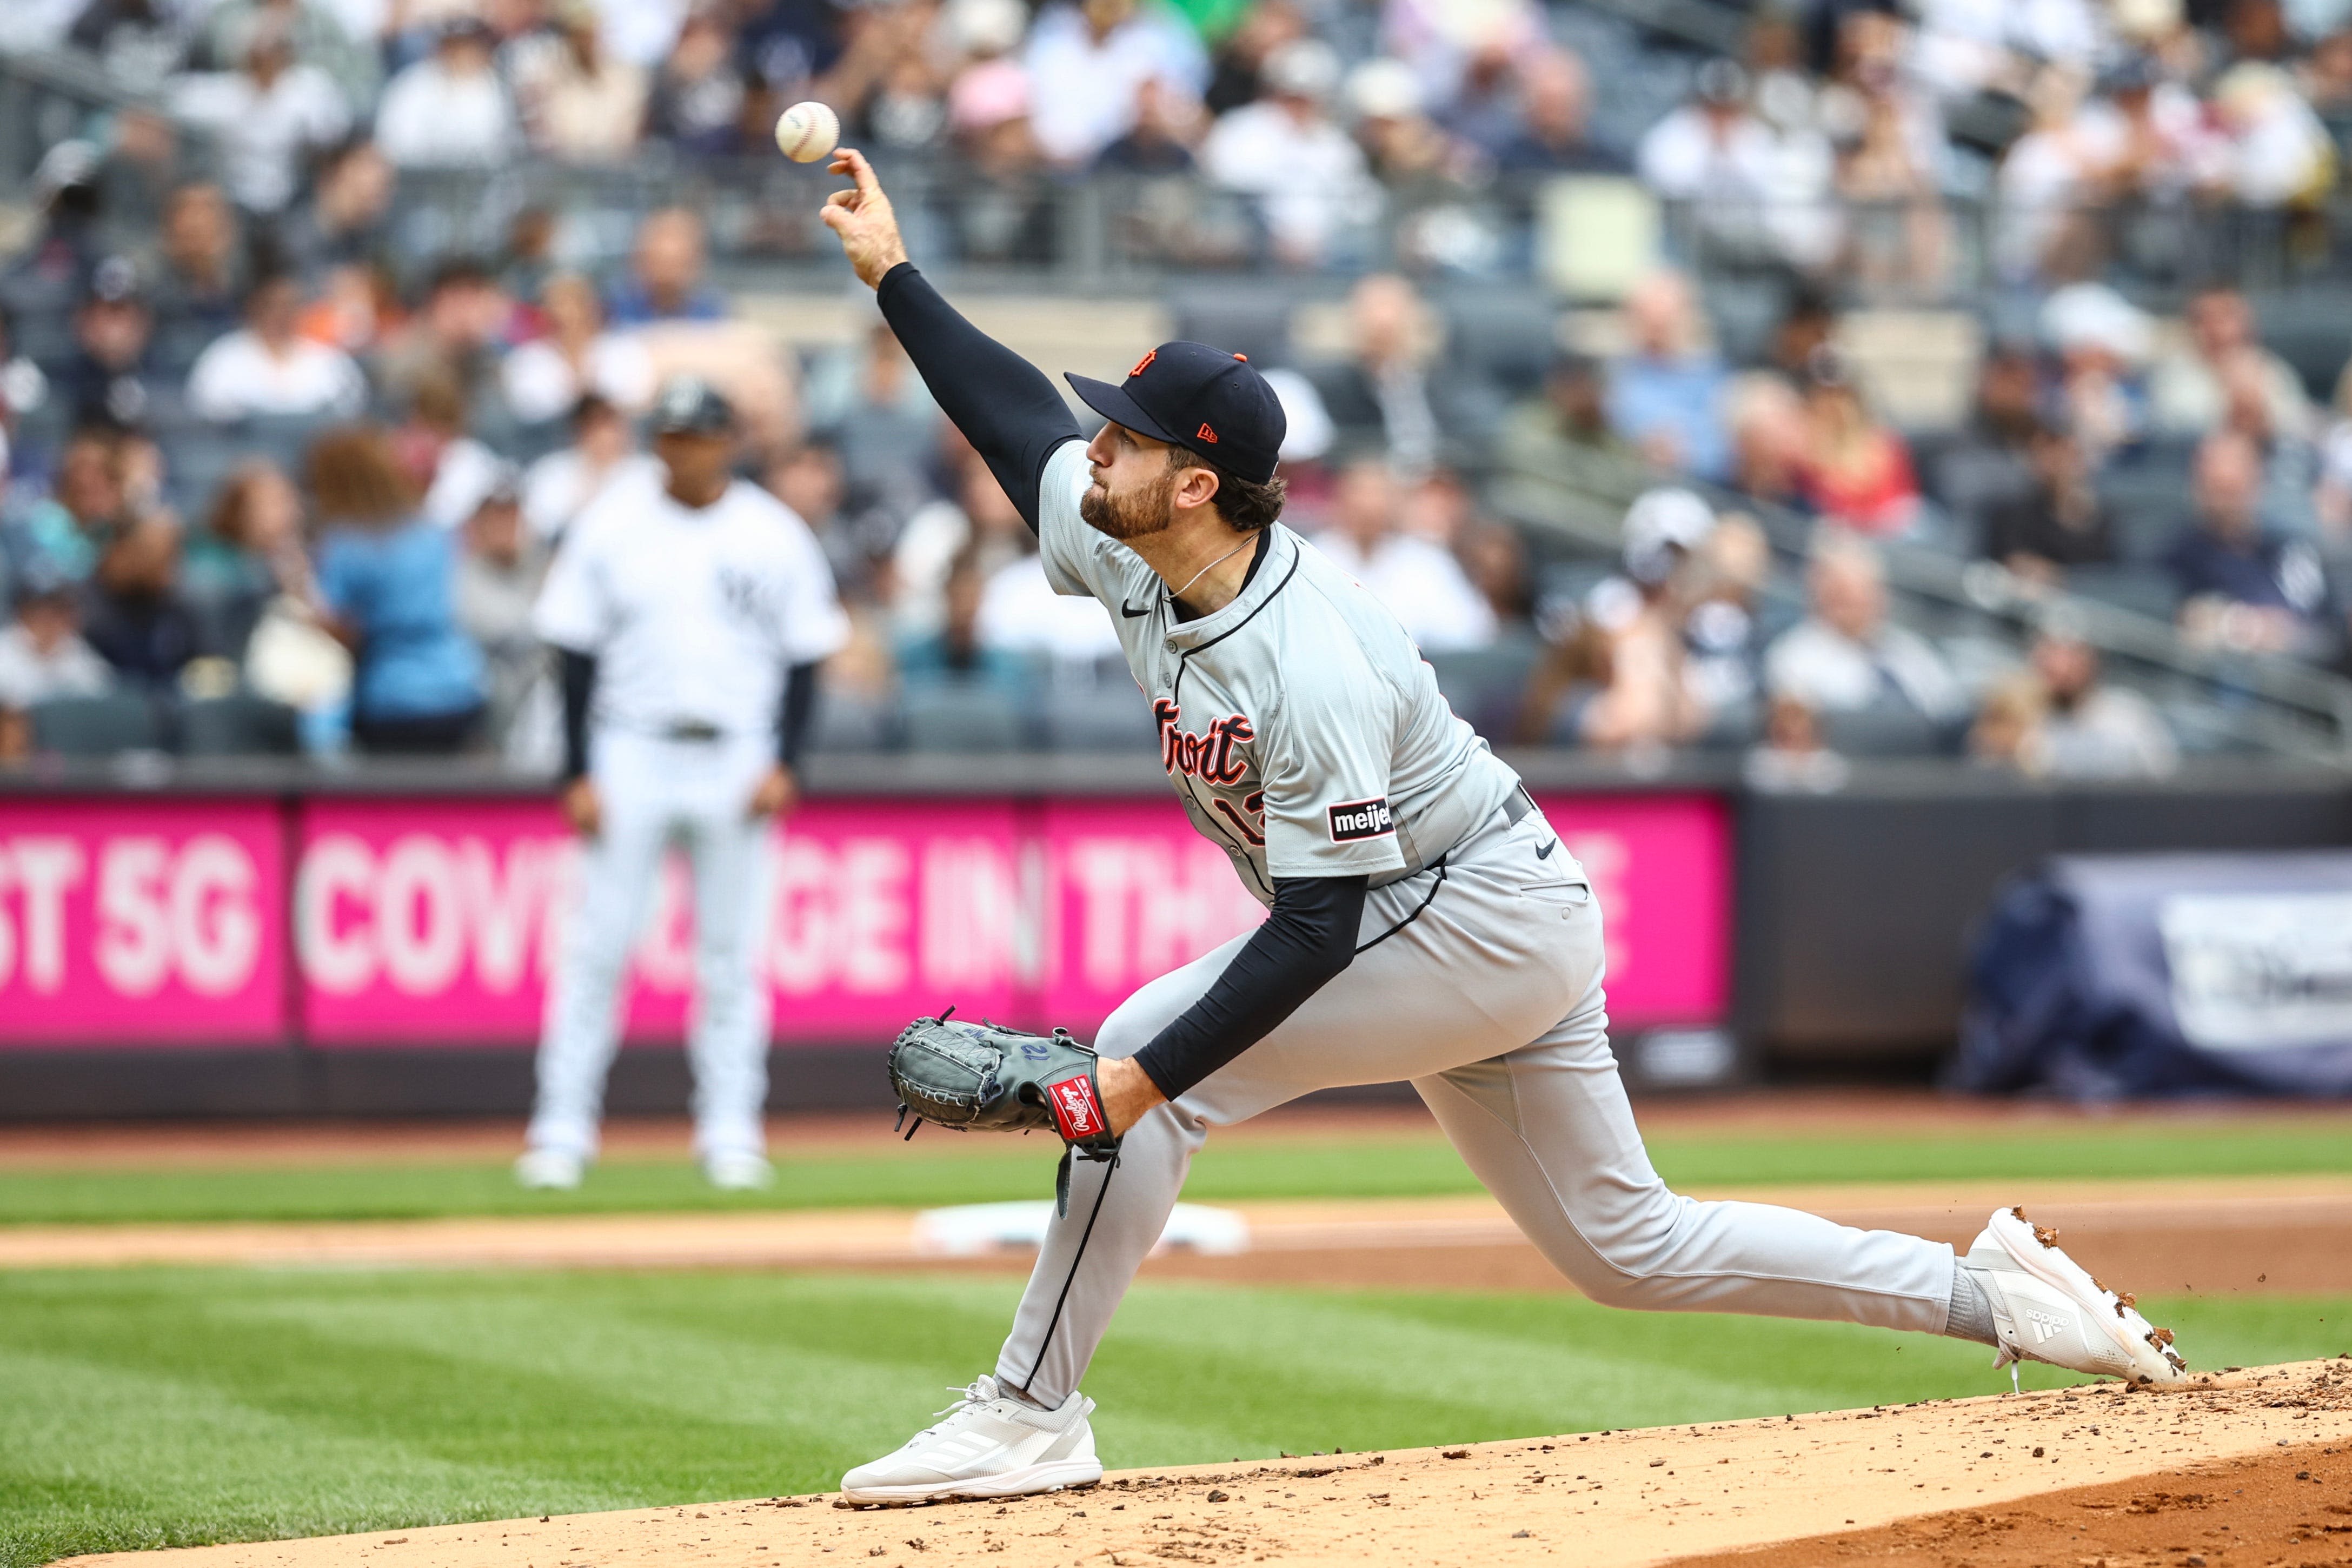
(1130, 613)
(1544, 853)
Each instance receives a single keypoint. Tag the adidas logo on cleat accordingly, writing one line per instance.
(2047, 1326)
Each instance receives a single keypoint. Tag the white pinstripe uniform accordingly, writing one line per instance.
(693, 615)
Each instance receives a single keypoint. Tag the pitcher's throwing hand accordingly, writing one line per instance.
(863, 218)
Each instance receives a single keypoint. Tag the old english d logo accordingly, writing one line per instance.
(1141, 364)
(1208, 435)
(1076, 1110)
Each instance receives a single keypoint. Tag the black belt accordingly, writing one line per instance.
(697, 730)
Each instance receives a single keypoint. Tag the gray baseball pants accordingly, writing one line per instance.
(1489, 1002)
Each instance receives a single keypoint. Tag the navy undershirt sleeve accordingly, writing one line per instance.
(795, 712)
(578, 674)
(1308, 939)
(1002, 404)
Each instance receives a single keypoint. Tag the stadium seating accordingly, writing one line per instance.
(99, 726)
(1483, 684)
(963, 716)
(237, 726)
(1883, 730)
(1098, 718)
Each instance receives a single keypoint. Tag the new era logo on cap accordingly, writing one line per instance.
(1077, 1112)
(1358, 819)
(1208, 435)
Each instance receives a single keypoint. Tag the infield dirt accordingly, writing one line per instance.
(2225, 1470)
(2213, 1235)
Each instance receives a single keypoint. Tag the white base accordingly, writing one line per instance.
(971, 1230)
(550, 1170)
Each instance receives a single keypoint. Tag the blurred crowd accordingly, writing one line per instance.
(349, 522)
(1303, 109)
(277, 482)
(2181, 469)
(1830, 144)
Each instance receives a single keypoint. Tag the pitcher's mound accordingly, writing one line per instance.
(1968, 1478)
(2285, 1506)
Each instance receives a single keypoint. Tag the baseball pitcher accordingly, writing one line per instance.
(688, 614)
(1425, 924)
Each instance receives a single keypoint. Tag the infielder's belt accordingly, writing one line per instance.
(697, 730)
(1516, 804)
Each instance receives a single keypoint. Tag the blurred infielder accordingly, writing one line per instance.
(689, 614)
(1426, 924)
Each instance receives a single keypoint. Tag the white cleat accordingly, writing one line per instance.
(2047, 1307)
(987, 1445)
(737, 1171)
(549, 1170)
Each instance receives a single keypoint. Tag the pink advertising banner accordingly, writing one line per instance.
(1661, 869)
(1134, 892)
(146, 923)
(438, 921)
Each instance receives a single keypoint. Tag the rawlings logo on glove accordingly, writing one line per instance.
(1078, 1114)
(968, 1076)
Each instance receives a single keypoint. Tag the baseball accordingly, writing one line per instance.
(807, 131)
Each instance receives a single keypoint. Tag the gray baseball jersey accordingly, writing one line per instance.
(1298, 724)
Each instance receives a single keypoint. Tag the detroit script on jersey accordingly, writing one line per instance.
(1214, 757)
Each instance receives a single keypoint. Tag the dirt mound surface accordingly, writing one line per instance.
(2288, 1506)
(1609, 1499)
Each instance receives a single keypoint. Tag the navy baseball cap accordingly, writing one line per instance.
(689, 406)
(1208, 401)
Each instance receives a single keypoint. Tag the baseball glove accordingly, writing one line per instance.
(966, 1076)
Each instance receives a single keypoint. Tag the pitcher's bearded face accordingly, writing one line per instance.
(1133, 512)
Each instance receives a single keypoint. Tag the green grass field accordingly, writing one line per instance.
(154, 1408)
(940, 1168)
(145, 1407)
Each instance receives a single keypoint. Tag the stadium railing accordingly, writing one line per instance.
(48, 95)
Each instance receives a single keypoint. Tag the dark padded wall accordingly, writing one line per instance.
(1856, 908)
